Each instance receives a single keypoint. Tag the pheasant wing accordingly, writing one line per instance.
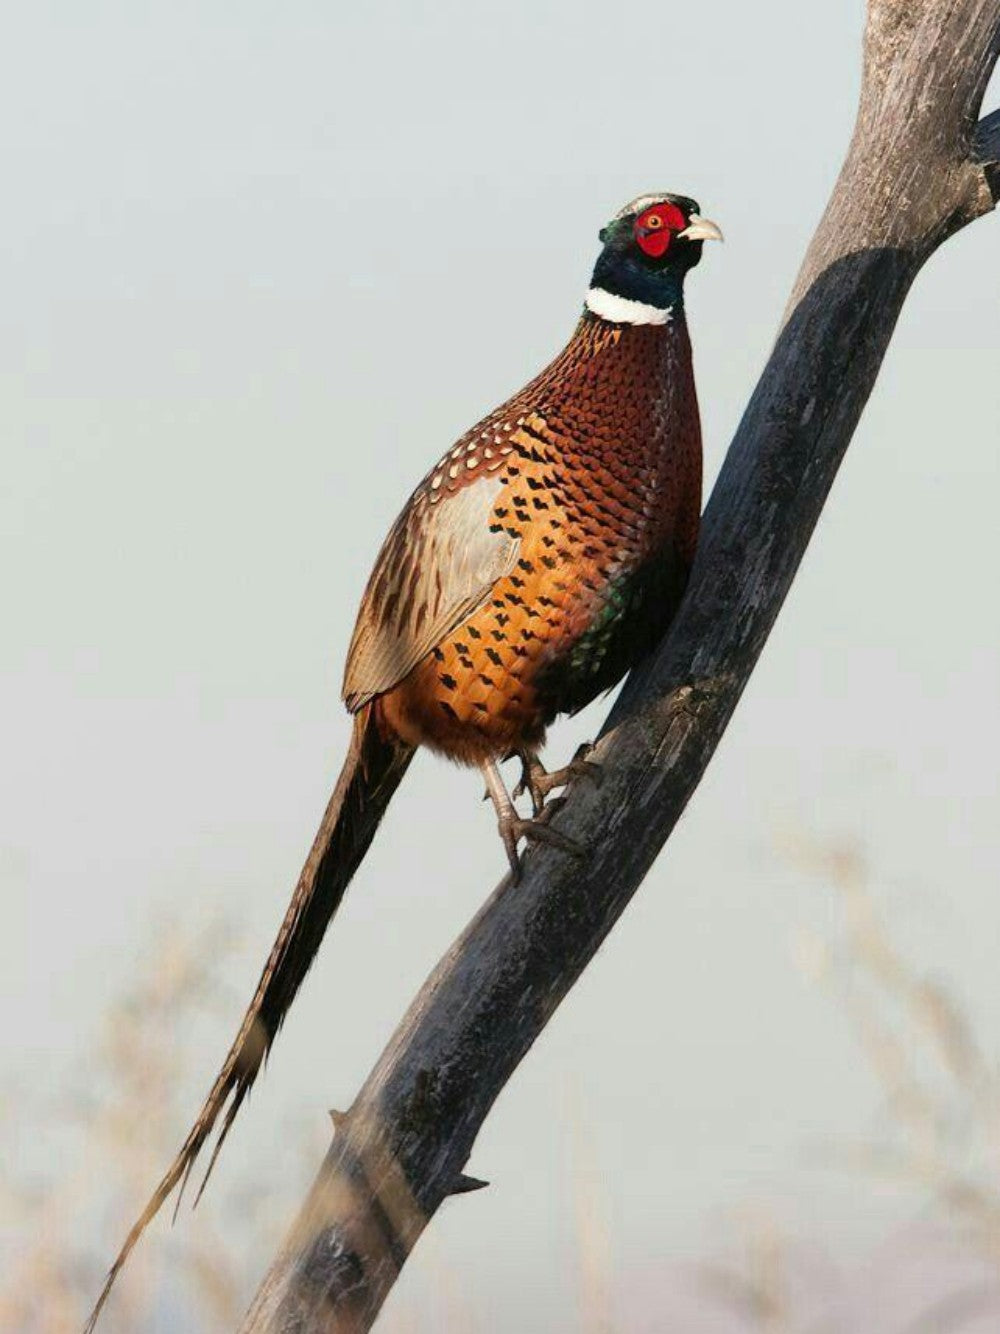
(437, 566)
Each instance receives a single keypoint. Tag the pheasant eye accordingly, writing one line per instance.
(653, 233)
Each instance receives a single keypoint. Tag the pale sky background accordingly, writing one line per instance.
(260, 267)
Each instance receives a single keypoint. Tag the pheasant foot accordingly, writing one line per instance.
(513, 827)
(539, 781)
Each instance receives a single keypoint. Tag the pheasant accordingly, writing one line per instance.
(538, 560)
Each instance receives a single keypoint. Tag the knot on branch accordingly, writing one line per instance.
(331, 1268)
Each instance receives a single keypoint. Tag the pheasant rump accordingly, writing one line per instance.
(540, 558)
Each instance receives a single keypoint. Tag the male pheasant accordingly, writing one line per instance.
(541, 558)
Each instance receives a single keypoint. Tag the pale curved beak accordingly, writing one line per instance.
(701, 229)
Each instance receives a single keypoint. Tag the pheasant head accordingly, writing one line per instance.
(649, 245)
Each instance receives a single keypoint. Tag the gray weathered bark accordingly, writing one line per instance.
(918, 169)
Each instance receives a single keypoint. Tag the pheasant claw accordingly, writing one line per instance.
(539, 782)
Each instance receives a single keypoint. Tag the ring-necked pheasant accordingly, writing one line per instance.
(541, 558)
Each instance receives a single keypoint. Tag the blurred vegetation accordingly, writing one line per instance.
(940, 1134)
(942, 1091)
(118, 1121)
(122, 1112)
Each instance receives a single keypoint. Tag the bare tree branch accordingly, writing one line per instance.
(918, 169)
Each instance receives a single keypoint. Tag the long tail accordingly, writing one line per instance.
(372, 771)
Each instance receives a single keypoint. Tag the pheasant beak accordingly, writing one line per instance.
(701, 229)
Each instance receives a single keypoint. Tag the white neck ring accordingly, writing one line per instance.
(621, 310)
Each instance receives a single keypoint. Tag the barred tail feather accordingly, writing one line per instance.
(372, 771)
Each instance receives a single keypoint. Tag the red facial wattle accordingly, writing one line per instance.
(655, 229)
